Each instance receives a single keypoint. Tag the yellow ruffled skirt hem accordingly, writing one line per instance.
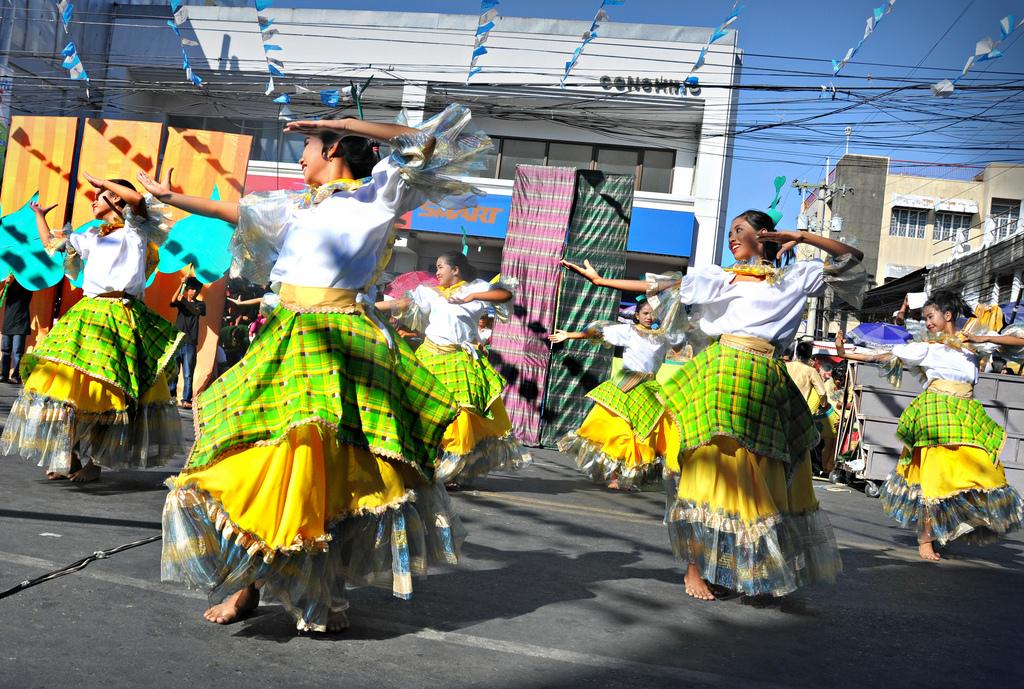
(605, 448)
(63, 411)
(949, 493)
(735, 515)
(475, 445)
(303, 517)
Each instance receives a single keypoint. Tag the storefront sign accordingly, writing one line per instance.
(645, 85)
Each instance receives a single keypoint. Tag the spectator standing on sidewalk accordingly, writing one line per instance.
(16, 300)
(190, 309)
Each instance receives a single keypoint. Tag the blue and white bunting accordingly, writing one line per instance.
(65, 8)
(984, 50)
(590, 35)
(488, 13)
(180, 15)
(718, 34)
(876, 16)
(71, 62)
(275, 65)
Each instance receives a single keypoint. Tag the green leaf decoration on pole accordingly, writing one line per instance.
(773, 211)
(23, 255)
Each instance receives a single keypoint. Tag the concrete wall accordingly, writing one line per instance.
(862, 211)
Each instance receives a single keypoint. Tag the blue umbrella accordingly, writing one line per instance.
(879, 335)
(1008, 311)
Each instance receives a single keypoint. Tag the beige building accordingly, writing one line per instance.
(906, 216)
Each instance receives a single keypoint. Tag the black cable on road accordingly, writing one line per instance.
(75, 566)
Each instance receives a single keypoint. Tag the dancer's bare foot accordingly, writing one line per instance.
(337, 622)
(74, 467)
(236, 607)
(90, 472)
(927, 552)
(696, 587)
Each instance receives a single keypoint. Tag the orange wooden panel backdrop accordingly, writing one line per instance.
(202, 160)
(40, 154)
(109, 149)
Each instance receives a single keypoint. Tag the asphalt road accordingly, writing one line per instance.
(563, 584)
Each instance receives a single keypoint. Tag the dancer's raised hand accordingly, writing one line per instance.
(559, 336)
(788, 240)
(94, 181)
(40, 210)
(160, 190)
(586, 270)
(841, 343)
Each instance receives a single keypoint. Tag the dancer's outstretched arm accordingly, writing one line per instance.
(400, 304)
(867, 358)
(131, 197)
(378, 131)
(1012, 340)
(495, 296)
(43, 227)
(222, 210)
(790, 239)
(590, 272)
(563, 335)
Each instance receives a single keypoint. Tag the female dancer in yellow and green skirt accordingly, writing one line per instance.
(95, 392)
(629, 432)
(480, 440)
(314, 455)
(741, 509)
(949, 483)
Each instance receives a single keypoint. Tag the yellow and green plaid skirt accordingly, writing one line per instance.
(642, 406)
(935, 419)
(119, 341)
(472, 381)
(333, 370)
(94, 388)
(727, 392)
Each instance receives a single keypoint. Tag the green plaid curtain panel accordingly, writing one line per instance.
(597, 231)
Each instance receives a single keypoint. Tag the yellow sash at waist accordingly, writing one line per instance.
(319, 299)
(953, 388)
(436, 348)
(748, 344)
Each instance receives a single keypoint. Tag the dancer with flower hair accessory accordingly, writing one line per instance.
(949, 483)
(480, 440)
(95, 388)
(314, 455)
(741, 509)
(626, 436)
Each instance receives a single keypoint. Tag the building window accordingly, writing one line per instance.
(908, 222)
(618, 161)
(652, 167)
(656, 171)
(570, 155)
(949, 226)
(1005, 215)
(516, 152)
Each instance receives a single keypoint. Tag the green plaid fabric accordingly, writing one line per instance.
(472, 382)
(723, 391)
(642, 407)
(935, 419)
(332, 369)
(598, 230)
(120, 341)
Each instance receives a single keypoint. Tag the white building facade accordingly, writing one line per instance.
(624, 108)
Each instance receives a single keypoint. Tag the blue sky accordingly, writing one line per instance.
(799, 38)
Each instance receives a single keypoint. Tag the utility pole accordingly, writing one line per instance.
(817, 322)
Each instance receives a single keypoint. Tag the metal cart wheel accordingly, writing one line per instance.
(872, 489)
